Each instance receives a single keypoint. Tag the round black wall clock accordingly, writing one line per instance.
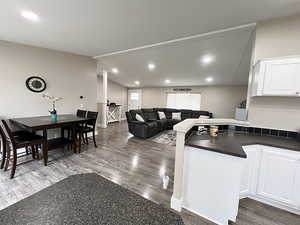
(36, 84)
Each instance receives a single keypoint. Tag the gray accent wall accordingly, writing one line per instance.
(276, 38)
(67, 75)
(220, 100)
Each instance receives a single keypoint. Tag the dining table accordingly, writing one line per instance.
(45, 123)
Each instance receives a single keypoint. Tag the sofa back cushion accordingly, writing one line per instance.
(186, 114)
(197, 114)
(149, 114)
(129, 117)
(169, 112)
(136, 111)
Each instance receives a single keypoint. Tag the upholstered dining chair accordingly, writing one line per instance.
(90, 127)
(15, 143)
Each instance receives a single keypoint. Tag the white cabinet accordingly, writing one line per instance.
(277, 77)
(278, 173)
(250, 172)
(272, 175)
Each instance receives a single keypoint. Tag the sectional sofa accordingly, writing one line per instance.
(152, 124)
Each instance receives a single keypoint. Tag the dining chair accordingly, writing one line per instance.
(17, 142)
(81, 113)
(2, 148)
(90, 126)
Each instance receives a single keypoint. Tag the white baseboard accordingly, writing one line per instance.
(205, 217)
(274, 204)
(176, 204)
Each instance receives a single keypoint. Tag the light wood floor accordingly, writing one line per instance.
(135, 164)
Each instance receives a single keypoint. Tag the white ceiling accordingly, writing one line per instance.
(96, 27)
(180, 62)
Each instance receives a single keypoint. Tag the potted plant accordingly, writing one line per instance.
(53, 111)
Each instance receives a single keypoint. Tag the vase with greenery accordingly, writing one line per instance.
(53, 111)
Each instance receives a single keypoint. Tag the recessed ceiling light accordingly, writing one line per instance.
(167, 81)
(209, 79)
(207, 59)
(115, 70)
(136, 82)
(151, 66)
(30, 16)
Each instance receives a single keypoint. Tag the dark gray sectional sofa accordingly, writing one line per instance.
(153, 125)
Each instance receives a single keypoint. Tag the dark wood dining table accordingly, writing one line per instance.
(44, 123)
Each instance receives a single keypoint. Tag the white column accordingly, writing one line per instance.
(104, 100)
(176, 200)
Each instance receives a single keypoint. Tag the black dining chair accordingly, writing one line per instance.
(81, 113)
(17, 142)
(90, 127)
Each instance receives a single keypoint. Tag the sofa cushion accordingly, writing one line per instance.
(149, 114)
(136, 111)
(175, 121)
(169, 112)
(197, 114)
(176, 116)
(163, 124)
(161, 115)
(138, 117)
(186, 114)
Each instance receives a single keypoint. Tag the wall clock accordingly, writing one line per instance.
(36, 84)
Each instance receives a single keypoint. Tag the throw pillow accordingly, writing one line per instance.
(176, 116)
(204, 117)
(161, 115)
(139, 118)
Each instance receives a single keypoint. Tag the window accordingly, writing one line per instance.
(134, 96)
(184, 101)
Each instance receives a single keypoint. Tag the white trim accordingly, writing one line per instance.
(178, 39)
(176, 204)
(273, 203)
(205, 217)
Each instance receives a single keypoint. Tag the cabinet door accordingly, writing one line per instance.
(277, 180)
(249, 177)
(281, 77)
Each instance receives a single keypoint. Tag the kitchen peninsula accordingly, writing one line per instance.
(212, 174)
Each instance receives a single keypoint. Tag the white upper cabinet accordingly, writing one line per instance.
(277, 77)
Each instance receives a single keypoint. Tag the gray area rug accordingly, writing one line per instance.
(87, 199)
(167, 137)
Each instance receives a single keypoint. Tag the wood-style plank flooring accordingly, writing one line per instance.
(135, 164)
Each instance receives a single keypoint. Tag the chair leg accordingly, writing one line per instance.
(14, 166)
(33, 151)
(94, 139)
(45, 154)
(3, 154)
(27, 151)
(7, 158)
(86, 139)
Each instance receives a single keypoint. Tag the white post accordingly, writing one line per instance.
(104, 100)
(176, 200)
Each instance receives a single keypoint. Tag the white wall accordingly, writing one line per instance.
(276, 38)
(220, 100)
(115, 93)
(67, 75)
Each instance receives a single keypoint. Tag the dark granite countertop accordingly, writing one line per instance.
(231, 143)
